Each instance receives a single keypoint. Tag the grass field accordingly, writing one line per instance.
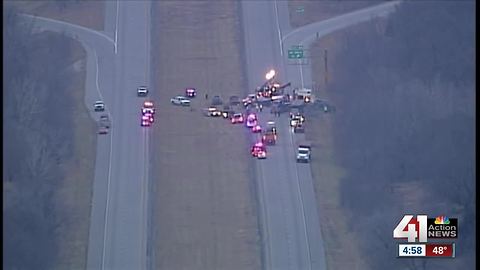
(303, 12)
(72, 198)
(205, 212)
(85, 13)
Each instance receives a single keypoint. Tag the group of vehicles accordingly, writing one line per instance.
(270, 94)
(148, 112)
(104, 121)
(148, 109)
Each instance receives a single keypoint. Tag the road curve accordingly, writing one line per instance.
(117, 62)
(288, 210)
(300, 75)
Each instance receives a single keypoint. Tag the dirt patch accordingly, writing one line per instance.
(205, 216)
(74, 194)
(90, 14)
(303, 12)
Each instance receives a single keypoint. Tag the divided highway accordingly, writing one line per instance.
(117, 63)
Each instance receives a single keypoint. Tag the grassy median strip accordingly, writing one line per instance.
(204, 213)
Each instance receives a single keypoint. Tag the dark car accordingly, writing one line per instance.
(227, 111)
(142, 91)
(216, 100)
(234, 100)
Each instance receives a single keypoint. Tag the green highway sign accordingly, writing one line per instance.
(295, 54)
(300, 9)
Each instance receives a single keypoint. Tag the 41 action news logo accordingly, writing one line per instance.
(421, 228)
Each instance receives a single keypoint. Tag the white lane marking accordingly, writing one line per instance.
(278, 29)
(109, 161)
(145, 198)
(116, 29)
(98, 87)
(108, 197)
(265, 210)
(78, 27)
(147, 148)
(300, 66)
(300, 196)
(96, 75)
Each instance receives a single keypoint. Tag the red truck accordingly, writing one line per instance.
(269, 137)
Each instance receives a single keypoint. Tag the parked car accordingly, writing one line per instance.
(212, 111)
(104, 120)
(227, 111)
(99, 106)
(237, 118)
(180, 100)
(142, 91)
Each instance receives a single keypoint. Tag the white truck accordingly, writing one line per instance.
(303, 153)
(301, 97)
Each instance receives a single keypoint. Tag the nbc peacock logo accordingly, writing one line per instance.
(442, 220)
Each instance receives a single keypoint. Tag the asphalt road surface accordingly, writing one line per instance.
(117, 63)
(289, 216)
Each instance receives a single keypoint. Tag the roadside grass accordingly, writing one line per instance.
(339, 239)
(303, 12)
(73, 197)
(205, 212)
(85, 13)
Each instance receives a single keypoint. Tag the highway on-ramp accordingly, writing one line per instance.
(288, 211)
(117, 63)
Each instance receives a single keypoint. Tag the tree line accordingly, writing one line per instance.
(405, 127)
(37, 141)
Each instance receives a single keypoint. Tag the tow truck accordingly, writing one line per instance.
(270, 87)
